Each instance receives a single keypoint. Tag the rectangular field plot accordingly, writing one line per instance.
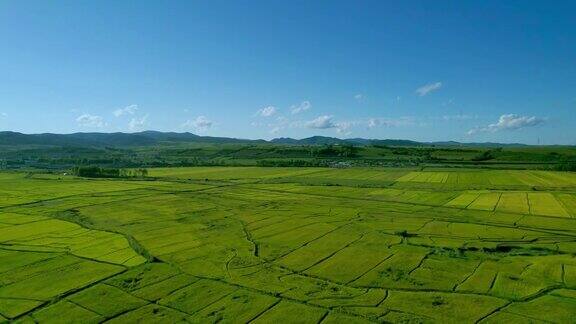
(443, 272)
(546, 178)
(71, 310)
(54, 235)
(143, 276)
(442, 307)
(68, 278)
(241, 306)
(463, 200)
(468, 178)
(394, 272)
(106, 301)
(568, 201)
(371, 175)
(14, 307)
(318, 250)
(291, 312)
(25, 287)
(514, 203)
(413, 196)
(226, 173)
(152, 314)
(197, 296)
(546, 204)
(278, 245)
(563, 306)
(486, 201)
(353, 261)
(433, 177)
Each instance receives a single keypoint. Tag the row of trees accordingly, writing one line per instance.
(292, 163)
(569, 166)
(98, 172)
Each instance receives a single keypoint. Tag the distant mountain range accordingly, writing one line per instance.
(149, 138)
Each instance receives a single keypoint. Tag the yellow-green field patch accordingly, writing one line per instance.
(546, 204)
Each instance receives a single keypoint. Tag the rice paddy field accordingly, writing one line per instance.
(289, 245)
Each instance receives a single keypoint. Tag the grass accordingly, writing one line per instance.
(294, 245)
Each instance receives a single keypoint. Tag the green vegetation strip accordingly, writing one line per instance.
(302, 245)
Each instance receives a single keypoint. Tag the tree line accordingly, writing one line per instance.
(98, 172)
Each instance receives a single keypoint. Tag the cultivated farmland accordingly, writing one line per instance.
(289, 245)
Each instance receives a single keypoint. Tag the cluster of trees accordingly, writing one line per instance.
(346, 151)
(570, 166)
(487, 155)
(98, 172)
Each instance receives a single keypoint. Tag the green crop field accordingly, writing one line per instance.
(289, 245)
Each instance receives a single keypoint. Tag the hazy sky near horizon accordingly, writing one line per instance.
(476, 71)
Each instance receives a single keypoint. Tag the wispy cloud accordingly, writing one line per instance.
(389, 122)
(138, 123)
(458, 117)
(303, 106)
(329, 122)
(277, 124)
(373, 122)
(91, 121)
(3, 115)
(267, 111)
(448, 102)
(344, 127)
(428, 88)
(509, 122)
(200, 124)
(359, 97)
(128, 110)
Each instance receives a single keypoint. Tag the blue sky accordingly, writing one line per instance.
(422, 70)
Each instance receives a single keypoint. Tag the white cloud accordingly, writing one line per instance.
(344, 127)
(428, 88)
(88, 120)
(359, 96)
(509, 122)
(200, 123)
(267, 111)
(128, 110)
(303, 106)
(321, 122)
(327, 122)
(138, 123)
(3, 115)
